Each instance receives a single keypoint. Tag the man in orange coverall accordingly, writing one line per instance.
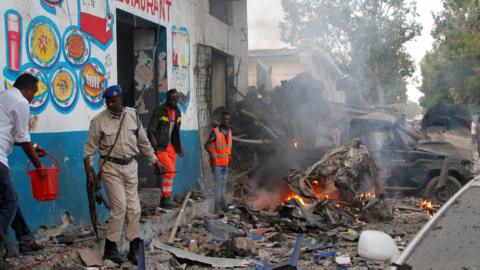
(164, 135)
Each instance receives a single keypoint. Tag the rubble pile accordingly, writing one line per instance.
(264, 239)
(242, 238)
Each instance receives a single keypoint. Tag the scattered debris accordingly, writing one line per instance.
(212, 261)
(343, 260)
(179, 218)
(221, 230)
(90, 257)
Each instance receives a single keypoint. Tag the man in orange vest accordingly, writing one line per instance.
(219, 148)
(164, 135)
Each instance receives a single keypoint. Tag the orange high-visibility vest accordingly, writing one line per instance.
(221, 148)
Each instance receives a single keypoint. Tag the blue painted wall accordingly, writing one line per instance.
(68, 148)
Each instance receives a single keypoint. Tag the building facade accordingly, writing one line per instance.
(78, 47)
(285, 64)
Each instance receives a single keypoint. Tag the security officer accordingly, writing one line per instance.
(164, 134)
(119, 168)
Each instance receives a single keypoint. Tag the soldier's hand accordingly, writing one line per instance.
(181, 154)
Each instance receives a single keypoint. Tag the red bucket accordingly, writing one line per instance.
(44, 181)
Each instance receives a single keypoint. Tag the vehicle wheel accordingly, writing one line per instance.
(442, 195)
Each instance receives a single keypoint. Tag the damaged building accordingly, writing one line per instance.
(148, 47)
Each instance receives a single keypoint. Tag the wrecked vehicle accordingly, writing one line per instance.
(437, 162)
(347, 177)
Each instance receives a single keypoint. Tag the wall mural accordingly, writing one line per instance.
(181, 64)
(50, 5)
(63, 87)
(76, 47)
(60, 60)
(13, 30)
(96, 20)
(43, 42)
(93, 82)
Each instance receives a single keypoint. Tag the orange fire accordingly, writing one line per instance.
(320, 196)
(429, 207)
(366, 195)
(295, 196)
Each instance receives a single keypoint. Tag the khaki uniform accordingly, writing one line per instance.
(121, 181)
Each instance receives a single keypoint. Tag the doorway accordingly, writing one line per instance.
(142, 73)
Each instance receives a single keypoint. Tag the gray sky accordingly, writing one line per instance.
(264, 33)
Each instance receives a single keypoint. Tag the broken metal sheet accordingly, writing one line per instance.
(213, 261)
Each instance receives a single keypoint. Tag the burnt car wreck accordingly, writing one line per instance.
(434, 162)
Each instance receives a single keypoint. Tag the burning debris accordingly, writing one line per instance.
(429, 207)
(341, 188)
(346, 172)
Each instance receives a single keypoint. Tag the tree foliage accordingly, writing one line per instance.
(412, 109)
(366, 37)
(451, 69)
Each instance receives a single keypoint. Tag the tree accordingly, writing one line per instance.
(366, 37)
(412, 109)
(451, 69)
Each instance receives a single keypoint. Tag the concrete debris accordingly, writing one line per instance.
(239, 247)
(343, 260)
(221, 230)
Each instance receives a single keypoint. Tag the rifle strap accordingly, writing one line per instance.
(113, 146)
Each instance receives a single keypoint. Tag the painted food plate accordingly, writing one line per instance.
(76, 47)
(40, 99)
(93, 82)
(43, 43)
(63, 86)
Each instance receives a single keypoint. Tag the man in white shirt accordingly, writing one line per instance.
(14, 115)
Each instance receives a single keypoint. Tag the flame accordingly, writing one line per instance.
(316, 190)
(323, 193)
(429, 207)
(295, 196)
(366, 195)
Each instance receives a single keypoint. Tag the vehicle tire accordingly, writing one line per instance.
(442, 195)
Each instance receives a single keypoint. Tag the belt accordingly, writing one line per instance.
(119, 161)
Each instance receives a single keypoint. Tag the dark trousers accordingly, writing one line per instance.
(10, 213)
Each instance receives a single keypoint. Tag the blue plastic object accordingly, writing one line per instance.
(320, 256)
(292, 262)
(141, 256)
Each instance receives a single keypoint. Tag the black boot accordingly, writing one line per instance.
(134, 250)
(167, 203)
(111, 252)
(29, 246)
